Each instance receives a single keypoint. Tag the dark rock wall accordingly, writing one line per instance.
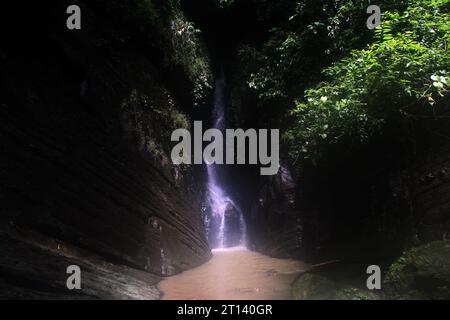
(274, 222)
(371, 214)
(431, 194)
(372, 202)
(85, 123)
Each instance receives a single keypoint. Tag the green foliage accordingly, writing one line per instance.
(164, 26)
(226, 3)
(407, 66)
(185, 45)
(147, 15)
(420, 273)
(338, 81)
(312, 286)
(313, 34)
(190, 55)
(147, 9)
(152, 119)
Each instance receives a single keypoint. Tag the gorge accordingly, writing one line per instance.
(87, 118)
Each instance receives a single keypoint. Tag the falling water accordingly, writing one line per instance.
(220, 202)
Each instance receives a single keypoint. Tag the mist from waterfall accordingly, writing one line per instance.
(219, 201)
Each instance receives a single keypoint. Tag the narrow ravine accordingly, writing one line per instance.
(225, 149)
(235, 274)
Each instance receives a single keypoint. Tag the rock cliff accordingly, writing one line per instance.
(86, 117)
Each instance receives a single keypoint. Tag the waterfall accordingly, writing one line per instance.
(219, 201)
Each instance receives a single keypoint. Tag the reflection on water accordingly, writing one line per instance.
(234, 274)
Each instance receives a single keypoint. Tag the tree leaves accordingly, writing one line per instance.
(370, 85)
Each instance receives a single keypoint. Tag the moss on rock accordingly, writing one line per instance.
(316, 287)
(421, 273)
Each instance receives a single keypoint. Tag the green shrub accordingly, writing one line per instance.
(407, 66)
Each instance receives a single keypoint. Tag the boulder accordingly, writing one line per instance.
(421, 273)
(311, 286)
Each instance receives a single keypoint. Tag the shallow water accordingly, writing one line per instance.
(234, 274)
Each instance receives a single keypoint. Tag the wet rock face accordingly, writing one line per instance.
(85, 161)
(275, 226)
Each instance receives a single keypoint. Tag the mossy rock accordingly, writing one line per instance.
(421, 273)
(316, 287)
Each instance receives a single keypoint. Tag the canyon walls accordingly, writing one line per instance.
(85, 124)
(372, 204)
